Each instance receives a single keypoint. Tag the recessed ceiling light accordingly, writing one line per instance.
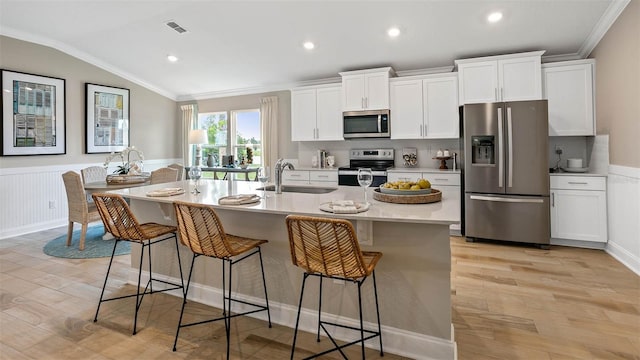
(494, 17)
(308, 45)
(393, 32)
(172, 58)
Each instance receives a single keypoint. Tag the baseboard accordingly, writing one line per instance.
(396, 341)
(27, 229)
(579, 243)
(625, 257)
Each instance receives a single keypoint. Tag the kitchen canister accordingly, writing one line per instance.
(574, 163)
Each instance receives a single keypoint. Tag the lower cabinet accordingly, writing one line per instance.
(310, 177)
(448, 183)
(578, 210)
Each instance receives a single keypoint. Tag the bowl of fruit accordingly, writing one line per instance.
(406, 187)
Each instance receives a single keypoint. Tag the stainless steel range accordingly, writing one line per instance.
(379, 160)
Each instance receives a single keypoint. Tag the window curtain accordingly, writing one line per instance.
(189, 113)
(269, 130)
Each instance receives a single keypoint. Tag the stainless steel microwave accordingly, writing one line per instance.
(366, 124)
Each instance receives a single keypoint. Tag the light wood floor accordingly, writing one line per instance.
(509, 302)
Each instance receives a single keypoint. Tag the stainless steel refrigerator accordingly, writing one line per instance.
(506, 176)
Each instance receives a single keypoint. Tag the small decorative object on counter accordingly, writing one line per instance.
(446, 153)
(439, 153)
(210, 160)
(410, 157)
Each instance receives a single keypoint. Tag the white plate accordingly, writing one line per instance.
(328, 207)
(575, 170)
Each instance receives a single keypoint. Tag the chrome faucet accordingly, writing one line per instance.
(281, 165)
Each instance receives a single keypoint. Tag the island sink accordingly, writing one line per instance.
(300, 189)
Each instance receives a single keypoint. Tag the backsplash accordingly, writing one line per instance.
(340, 149)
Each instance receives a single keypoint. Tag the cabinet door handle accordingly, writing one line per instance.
(502, 94)
(553, 199)
(578, 183)
(421, 131)
(362, 102)
(441, 179)
(323, 176)
(366, 102)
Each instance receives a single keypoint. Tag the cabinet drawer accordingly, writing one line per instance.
(442, 179)
(294, 175)
(331, 176)
(579, 182)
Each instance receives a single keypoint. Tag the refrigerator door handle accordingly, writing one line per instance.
(500, 150)
(502, 199)
(510, 154)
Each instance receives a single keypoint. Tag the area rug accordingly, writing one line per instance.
(94, 246)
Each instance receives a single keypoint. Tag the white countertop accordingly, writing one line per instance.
(443, 212)
(577, 174)
(424, 170)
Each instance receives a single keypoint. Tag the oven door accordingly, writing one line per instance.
(350, 178)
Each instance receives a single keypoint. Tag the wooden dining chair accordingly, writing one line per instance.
(93, 174)
(163, 175)
(180, 169)
(328, 248)
(80, 211)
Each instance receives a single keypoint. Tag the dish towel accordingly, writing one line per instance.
(239, 199)
(166, 192)
(344, 207)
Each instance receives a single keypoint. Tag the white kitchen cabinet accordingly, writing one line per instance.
(310, 177)
(425, 107)
(316, 114)
(512, 77)
(447, 182)
(568, 87)
(578, 210)
(366, 89)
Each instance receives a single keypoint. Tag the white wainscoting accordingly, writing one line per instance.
(33, 198)
(623, 203)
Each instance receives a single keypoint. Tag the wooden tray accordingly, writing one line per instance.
(126, 179)
(434, 196)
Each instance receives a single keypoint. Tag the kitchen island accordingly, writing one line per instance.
(413, 275)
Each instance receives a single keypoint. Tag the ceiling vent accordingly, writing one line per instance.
(176, 27)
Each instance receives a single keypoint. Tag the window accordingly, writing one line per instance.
(234, 133)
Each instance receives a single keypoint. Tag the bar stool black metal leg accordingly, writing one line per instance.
(319, 309)
(264, 284)
(105, 279)
(180, 265)
(184, 302)
(150, 273)
(229, 313)
(138, 298)
(295, 333)
(375, 293)
(361, 322)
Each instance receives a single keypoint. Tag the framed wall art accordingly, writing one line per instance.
(107, 119)
(33, 114)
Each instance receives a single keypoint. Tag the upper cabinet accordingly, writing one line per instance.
(568, 87)
(425, 107)
(511, 77)
(366, 89)
(316, 113)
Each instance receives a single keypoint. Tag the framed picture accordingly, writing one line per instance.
(33, 114)
(107, 119)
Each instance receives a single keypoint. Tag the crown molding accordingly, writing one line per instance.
(69, 50)
(606, 20)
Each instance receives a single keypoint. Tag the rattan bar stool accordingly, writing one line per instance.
(123, 225)
(201, 231)
(328, 248)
